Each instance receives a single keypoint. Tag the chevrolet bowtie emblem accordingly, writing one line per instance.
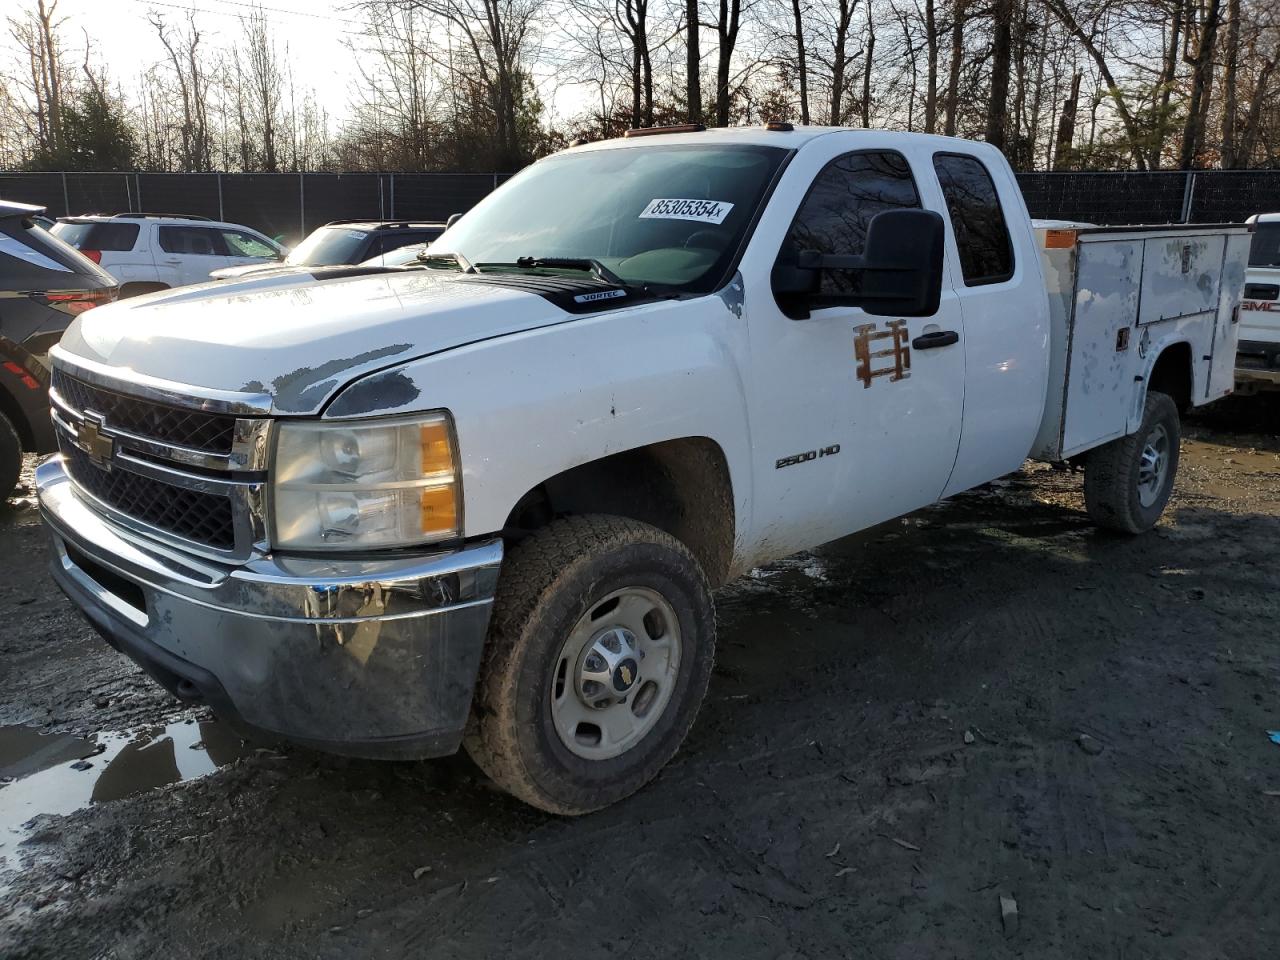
(626, 675)
(96, 444)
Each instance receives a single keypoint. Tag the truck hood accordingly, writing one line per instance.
(294, 338)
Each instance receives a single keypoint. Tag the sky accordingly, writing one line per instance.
(316, 32)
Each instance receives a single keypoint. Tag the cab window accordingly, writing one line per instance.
(194, 241)
(977, 220)
(836, 212)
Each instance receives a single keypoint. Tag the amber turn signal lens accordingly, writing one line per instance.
(439, 510)
(437, 455)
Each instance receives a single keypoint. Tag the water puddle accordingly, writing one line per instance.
(59, 773)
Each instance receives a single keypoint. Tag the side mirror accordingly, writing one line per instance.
(453, 218)
(899, 274)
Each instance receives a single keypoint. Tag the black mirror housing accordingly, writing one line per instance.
(900, 270)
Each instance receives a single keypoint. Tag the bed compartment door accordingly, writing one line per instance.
(1180, 277)
(1099, 365)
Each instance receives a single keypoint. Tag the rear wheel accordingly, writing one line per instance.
(1127, 482)
(599, 654)
(10, 457)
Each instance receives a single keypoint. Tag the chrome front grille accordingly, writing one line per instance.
(204, 518)
(185, 475)
(187, 428)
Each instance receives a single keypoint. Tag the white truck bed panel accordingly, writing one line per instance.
(1117, 297)
(1180, 276)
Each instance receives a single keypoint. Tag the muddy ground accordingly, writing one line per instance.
(892, 743)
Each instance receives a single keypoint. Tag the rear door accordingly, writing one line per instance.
(187, 254)
(1002, 295)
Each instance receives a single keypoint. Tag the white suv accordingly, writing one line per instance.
(148, 252)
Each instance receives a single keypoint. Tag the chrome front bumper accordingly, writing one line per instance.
(363, 657)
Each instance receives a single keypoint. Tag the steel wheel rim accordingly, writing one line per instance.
(605, 720)
(1153, 465)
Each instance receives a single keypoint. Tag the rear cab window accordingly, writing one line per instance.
(977, 219)
(1264, 249)
(93, 235)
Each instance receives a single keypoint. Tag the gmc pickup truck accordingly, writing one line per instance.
(1258, 359)
(484, 498)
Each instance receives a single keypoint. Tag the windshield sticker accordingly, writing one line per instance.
(602, 295)
(16, 248)
(701, 211)
(355, 234)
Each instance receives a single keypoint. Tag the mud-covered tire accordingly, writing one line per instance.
(10, 457)
(550, 582)
(1115, 494)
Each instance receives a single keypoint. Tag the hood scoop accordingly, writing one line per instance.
(584, 294)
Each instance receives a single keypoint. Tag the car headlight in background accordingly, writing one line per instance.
(346, 485)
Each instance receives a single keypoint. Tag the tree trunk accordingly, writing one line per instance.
(693, 85)
(958, 13)
(1067, 125)
(802, 67)
(1168, 72)
(840, 60)
(866, 69)
(1202, 75)
(1001, 50)
(1249, 133)
(931, 84)
(727, 31)
(1230, 104)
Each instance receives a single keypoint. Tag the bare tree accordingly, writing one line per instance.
(193, 82)
(1201, 87)
(43, 74)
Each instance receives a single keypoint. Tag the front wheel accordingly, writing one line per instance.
(1127, 482)
(600, 650)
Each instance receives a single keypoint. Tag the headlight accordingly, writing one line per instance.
(351, 485)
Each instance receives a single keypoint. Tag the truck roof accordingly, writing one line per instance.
(761, 135)
(1264, 218)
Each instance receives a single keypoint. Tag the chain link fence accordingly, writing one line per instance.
(291, 205)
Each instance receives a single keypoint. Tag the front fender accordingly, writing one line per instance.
(531, 405)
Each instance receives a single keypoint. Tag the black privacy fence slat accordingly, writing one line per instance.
(179, 193)
(290, 205)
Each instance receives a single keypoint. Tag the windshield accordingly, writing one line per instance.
(1265, 251)
(668, 215)
(328, 246)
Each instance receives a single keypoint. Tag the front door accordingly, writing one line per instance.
(855, 418)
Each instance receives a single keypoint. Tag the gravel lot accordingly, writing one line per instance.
(988, 699)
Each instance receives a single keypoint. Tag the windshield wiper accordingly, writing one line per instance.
(465, 265)
(591, 264)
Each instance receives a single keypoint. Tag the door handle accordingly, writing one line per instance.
(174, 262)
(938, 338)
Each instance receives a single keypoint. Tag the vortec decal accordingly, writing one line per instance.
(702, 211)
(602, 295)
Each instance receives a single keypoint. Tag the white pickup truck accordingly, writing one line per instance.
(484, 498)
(1258, 359)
